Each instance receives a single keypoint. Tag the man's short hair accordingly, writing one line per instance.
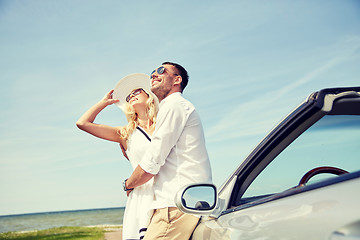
(182, 72)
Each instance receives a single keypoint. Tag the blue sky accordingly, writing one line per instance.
(250, 63)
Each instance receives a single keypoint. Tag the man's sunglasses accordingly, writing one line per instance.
(134, 93)
(160, 70)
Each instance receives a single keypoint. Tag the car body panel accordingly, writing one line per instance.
(284, 217)
(328, 208)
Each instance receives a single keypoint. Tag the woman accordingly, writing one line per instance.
(133, 95)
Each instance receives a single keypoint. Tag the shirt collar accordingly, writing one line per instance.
(169, 97)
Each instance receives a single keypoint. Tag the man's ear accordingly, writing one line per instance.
(178, 80)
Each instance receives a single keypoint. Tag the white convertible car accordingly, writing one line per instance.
(302, 181)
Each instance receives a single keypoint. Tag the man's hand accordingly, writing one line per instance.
(128, 192)
(138, 178)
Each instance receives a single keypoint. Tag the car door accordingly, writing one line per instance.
(279, 191)
(330, 212)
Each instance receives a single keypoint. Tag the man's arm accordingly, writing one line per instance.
(170, 123)
(137, 178)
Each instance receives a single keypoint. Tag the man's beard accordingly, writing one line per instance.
(161, 92)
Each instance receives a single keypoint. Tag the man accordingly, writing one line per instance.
(176, 157)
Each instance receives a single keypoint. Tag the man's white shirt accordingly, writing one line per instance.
(177, 155)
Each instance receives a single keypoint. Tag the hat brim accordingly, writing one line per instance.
(130, 82)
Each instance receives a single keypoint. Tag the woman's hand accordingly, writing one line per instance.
(124, 151)
(108, 98)
(86, 121)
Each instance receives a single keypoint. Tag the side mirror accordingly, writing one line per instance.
(200, 199)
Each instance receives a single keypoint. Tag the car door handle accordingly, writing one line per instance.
(348, 232)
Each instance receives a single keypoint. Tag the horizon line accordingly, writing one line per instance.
(61, 211)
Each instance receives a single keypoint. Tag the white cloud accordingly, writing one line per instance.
(256, 116)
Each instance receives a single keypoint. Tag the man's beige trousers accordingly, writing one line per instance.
(170, 223)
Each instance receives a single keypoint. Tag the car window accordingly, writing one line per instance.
(332, 141)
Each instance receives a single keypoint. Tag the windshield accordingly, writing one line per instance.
(333, 141)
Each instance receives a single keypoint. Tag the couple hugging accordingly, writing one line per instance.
(164, 142)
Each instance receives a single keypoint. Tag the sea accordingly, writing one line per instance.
(45, 220)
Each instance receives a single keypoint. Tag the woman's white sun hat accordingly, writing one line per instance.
(130, 82)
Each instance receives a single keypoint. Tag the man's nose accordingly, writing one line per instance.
(155, 74)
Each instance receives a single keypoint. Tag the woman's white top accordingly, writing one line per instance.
(137, 211)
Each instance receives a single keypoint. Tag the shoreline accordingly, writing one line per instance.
(60, 212)
(104, 218)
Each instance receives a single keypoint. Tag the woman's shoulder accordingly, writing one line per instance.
(140, 135)
(137, 141)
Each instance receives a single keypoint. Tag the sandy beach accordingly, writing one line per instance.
(116, 235)
(113, 233)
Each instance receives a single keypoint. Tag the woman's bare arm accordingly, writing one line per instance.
(86, 121)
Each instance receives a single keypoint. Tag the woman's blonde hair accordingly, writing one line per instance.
(131, 116)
